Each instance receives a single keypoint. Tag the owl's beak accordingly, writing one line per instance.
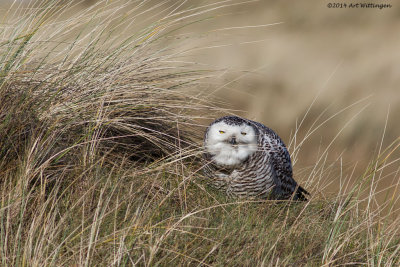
(233, 141)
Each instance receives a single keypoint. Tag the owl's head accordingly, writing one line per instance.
(230, 140)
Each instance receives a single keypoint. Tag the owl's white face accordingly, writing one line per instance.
(230, 145)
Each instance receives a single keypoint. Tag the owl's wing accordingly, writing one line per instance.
(281, 165)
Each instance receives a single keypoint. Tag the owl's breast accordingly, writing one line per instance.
(244, 180)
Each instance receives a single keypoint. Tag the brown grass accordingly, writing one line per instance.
(99, 158)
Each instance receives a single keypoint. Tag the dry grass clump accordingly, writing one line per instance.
(97, 164)
(71, 111)
(69, 96)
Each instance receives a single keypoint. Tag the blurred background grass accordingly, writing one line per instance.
(279, 61)
(95, 94)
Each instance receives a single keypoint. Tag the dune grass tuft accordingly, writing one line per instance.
(99, 166)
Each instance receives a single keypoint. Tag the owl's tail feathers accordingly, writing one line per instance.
(301, 194)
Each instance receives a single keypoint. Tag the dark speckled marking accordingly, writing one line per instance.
(265, 174)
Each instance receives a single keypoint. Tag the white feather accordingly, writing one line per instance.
(223, 153)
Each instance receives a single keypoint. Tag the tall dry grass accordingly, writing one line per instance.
(98, 162)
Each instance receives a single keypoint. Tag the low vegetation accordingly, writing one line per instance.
(100, 166)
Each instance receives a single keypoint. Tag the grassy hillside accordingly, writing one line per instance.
(99, 155)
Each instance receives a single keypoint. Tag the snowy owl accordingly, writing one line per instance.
(247, 159)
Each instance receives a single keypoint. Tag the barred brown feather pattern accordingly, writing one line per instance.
(266, 173)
